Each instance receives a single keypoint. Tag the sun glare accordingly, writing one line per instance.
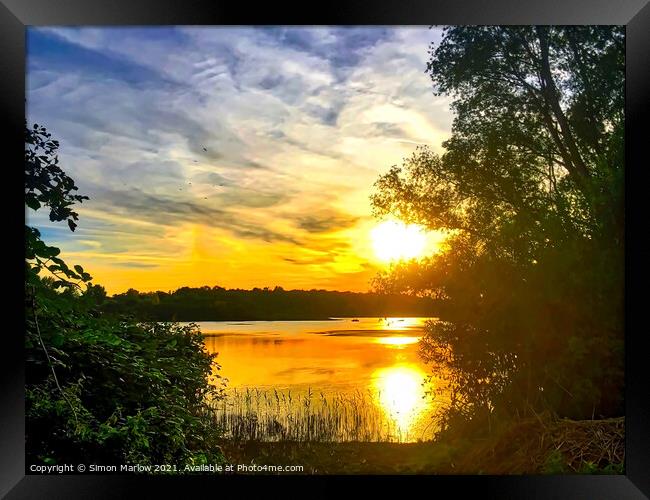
(393, 240)
(401, 394)
(401, 323)
(397, 341)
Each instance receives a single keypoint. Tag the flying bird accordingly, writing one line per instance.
(204, 148)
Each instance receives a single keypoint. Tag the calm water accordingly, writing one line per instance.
(375, 356)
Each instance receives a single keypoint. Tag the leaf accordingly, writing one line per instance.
(57, 340)
(52, 252)
(32, 203)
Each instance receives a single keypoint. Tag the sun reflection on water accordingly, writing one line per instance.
(401, 395)
(401, 323)
(397, 341)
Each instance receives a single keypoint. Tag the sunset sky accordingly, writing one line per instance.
(238, 157)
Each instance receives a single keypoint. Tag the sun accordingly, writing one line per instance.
(394, 240)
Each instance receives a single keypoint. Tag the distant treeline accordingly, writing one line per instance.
(217, 303)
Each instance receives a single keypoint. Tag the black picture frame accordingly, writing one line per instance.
(16, 15)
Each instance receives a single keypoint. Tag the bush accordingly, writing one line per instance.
(123, 392)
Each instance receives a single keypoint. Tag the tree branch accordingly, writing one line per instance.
(550, 94)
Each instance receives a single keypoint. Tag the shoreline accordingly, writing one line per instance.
(277, 320)
(544, 445)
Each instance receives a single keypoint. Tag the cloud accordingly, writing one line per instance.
(174, 131)
(212, 178)
(326, 115)
(325, 222)
(171, 211)
(325, 259)
(343, 47)
(252, 198)
(137, 265)
(55, 54)
(387, 129)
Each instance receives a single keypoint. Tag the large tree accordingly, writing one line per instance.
(530, 190)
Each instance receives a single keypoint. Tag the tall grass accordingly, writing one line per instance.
(272, 415)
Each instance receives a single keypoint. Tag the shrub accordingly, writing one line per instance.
(114, 390)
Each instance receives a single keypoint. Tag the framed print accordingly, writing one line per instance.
(264, 247)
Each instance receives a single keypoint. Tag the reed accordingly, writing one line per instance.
(275, 415)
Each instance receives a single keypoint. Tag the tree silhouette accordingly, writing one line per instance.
(46, 184)
(530, 192)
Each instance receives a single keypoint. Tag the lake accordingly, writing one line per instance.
(366, 362)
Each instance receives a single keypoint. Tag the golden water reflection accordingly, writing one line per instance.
(401, 394)
(376, 357)
(401, 323)
(397, 341)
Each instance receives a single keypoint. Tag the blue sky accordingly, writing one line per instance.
(231, 156)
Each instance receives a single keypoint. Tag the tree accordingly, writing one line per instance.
(530, 191)
(46, 184)
(95, 294)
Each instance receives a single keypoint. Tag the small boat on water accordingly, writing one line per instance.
(355, 320)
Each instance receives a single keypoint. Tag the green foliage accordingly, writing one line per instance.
(592, 468)
(555, 463)
(530, 192)
(46, 184)
(41, 257)
(132, 393)
(216, 303)
(106, 389)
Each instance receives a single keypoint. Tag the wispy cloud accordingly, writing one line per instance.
(325, 221)
(212, 144)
